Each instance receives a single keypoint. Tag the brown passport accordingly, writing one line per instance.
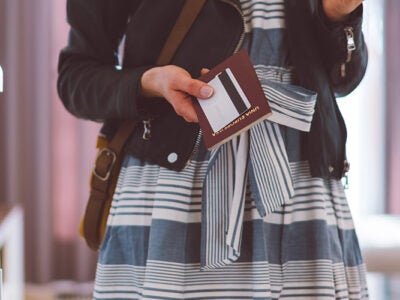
(237, 104)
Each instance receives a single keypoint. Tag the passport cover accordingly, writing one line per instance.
(237, 104)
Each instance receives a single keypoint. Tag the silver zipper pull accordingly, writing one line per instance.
(351, 46)
(146, 129)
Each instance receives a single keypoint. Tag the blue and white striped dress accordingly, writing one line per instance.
(201, 234)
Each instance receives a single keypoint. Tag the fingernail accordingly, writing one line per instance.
(206, 91)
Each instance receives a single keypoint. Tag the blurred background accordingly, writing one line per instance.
(46, 156)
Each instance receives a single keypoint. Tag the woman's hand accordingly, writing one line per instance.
(177, 87)
(339, 10)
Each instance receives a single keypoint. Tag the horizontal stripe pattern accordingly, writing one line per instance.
(313, 198)
(319, 279)
(274, 73)
(267, 14)
(152, 192)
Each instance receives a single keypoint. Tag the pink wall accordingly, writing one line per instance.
(47, 154)
(393, 104)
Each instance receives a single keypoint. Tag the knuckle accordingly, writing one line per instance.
(191, 85)
(179, 110)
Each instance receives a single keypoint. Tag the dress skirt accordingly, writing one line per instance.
(306, 249)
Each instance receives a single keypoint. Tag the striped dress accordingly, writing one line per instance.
(244, 221)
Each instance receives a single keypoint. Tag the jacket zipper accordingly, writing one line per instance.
(243, 33)
(147, 123)
(351, 46)
(146, 129)
(237, 48)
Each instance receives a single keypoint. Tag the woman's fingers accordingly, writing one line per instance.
(183, 106)
(177, 87)
(204, 71)
(194, 87)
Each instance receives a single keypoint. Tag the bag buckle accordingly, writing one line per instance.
(105, 161)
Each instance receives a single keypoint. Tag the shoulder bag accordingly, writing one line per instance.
(110, 154)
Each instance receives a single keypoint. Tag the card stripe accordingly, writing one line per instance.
(232, 92)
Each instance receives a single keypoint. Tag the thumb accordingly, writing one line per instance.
(206, 91)
(197, 88)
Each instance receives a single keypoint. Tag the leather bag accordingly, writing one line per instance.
(110, 154)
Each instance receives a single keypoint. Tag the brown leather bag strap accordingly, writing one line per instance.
(188, 15)
(109, 159)
(104, 174)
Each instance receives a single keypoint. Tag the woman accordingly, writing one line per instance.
(264, 216)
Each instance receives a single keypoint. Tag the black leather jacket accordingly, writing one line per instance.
(92, 87)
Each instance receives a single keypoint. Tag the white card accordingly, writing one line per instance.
(221, 109)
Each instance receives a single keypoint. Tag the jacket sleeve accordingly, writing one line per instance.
(343, 49)
(90, 83)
